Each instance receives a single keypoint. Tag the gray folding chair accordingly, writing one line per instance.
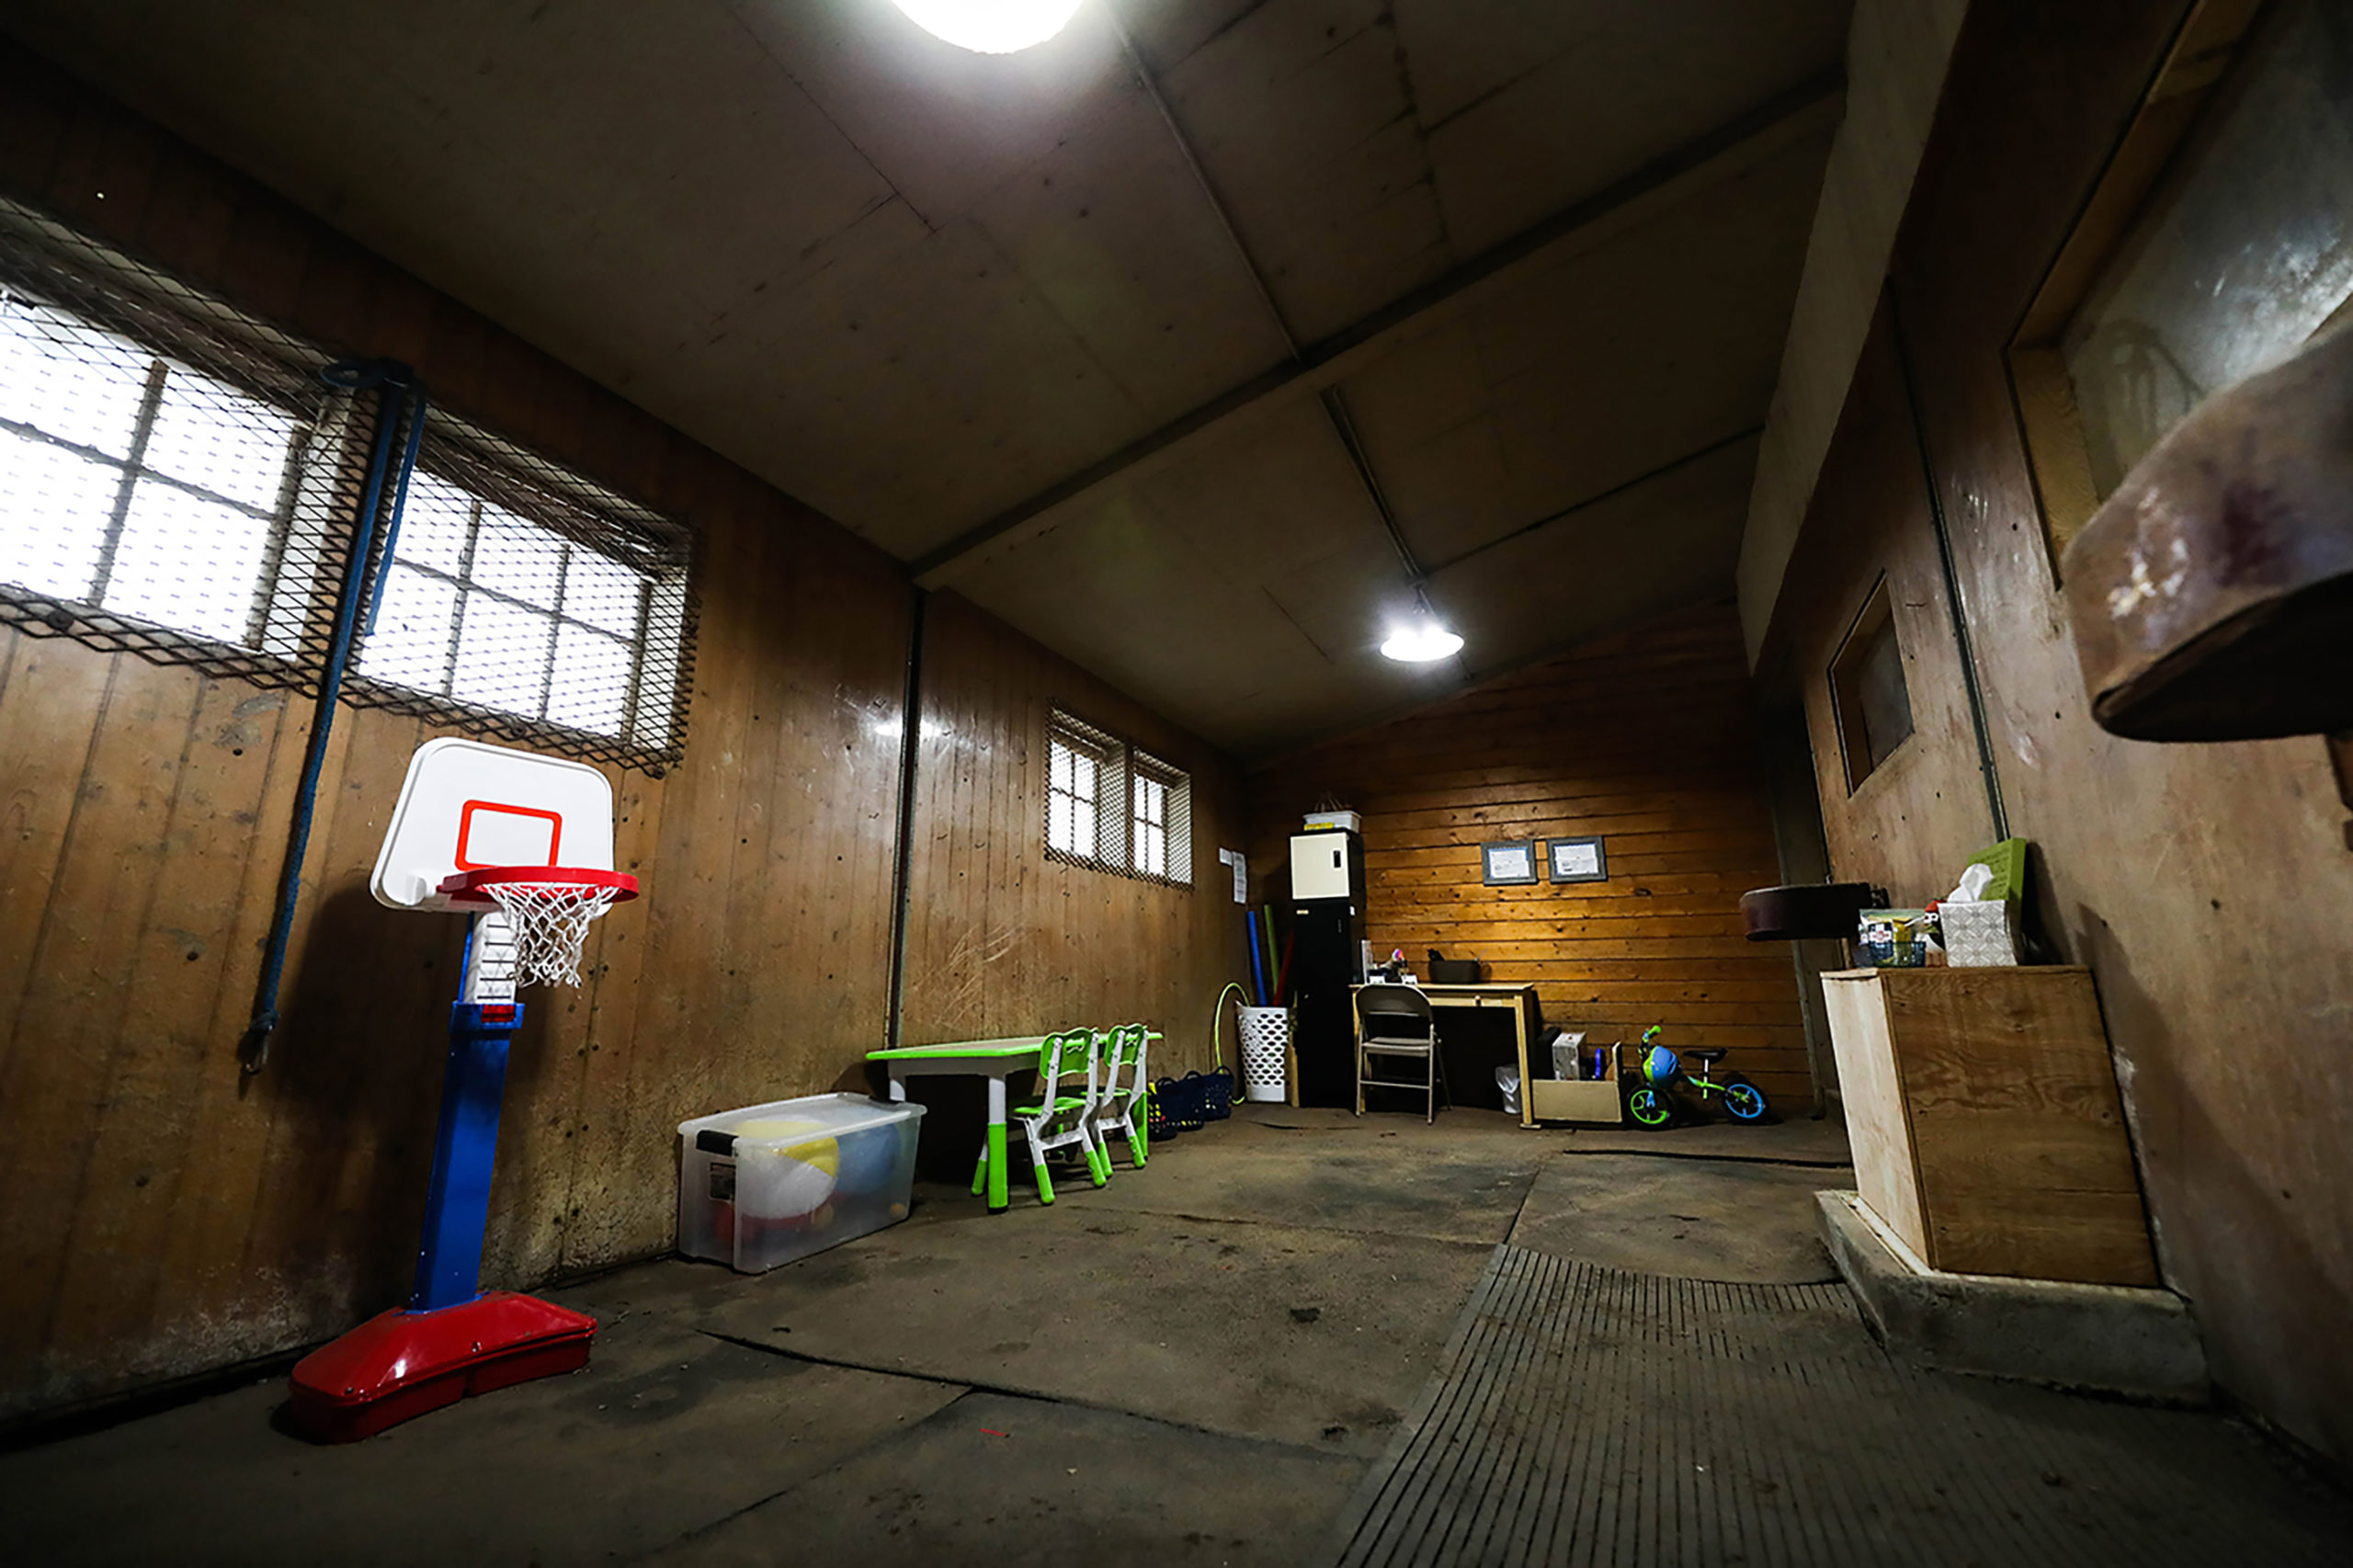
(1398, 1026)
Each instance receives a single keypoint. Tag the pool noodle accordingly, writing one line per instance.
(1257, 982)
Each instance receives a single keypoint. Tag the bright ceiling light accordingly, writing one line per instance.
(1420, 644)
(990, 26)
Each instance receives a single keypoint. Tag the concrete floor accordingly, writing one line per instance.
(1195, 1364)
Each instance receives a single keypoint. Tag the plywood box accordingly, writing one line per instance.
(1982, 1108)
(1566, 1099)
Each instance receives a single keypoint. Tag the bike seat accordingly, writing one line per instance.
(1704, 1056)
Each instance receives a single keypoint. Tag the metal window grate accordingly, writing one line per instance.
(176, 481)
(525, 602)
(1087, 792)
(1161, 810)
(170, 474)
(1114, 807)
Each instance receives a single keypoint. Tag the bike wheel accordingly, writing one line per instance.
(1649, 1106)
(1743, 1101)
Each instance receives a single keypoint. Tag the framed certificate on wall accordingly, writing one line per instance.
(1509, 865)
(1578, 860)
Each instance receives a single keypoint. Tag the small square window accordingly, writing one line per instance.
(1160, 820)
(1868, 692)
(1115, 808)
(1081, 796)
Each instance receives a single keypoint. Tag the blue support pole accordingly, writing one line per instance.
(457, 1205)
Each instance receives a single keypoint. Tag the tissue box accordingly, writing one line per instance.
(1978, 935)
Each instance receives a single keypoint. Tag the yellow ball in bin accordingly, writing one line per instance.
(788, 1181)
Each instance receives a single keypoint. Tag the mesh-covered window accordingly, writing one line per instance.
(1086, 794)
(520, 590)
(1160, 813)
(176, 480)
(1150, 821)
(1115, 808)
(131, 483)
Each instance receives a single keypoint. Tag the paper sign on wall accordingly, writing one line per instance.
(1233, 857)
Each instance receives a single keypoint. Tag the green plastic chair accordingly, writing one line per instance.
(1058, 1120)
(1123, 1106)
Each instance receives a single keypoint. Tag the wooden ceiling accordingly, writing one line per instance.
(1133, 338)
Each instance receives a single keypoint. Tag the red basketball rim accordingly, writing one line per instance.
(467, 886)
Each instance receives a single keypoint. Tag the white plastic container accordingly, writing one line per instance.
(1319, 822)
(772, 1182)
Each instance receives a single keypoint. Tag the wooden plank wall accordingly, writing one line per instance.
(165, 1214)
(1003, 940)
(1646, 738)
(2207, 887)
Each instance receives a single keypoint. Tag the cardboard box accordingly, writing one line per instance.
(1560, 1099)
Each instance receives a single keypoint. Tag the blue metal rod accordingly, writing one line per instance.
(400, 503)
(395, 384)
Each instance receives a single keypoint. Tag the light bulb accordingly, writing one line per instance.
(1421, 643)
(990, 26)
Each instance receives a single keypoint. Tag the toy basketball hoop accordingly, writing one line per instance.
(547, 909)
(522, 845)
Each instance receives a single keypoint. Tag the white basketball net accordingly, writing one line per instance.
(550, 922)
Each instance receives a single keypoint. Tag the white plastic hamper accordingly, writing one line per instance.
(1266, 1052)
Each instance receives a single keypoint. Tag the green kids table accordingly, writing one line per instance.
(995, 1060)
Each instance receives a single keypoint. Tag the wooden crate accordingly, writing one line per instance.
(1565, 1100)
(1982, 1108)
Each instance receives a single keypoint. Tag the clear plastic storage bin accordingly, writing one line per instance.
(772, 1182)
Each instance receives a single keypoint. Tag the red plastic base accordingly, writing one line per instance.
(400, 1364)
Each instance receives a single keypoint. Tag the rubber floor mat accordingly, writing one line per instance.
(1583, 1415)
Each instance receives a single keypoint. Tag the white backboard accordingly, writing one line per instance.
(466, 805)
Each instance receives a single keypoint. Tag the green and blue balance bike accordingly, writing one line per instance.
(1651, 1097)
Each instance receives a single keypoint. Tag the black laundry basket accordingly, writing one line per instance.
(1189, 1103)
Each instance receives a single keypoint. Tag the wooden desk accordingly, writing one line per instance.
(1520, 999)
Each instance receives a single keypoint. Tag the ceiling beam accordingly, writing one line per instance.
(1335, 409)
(1584, 503)
(1811, 106)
